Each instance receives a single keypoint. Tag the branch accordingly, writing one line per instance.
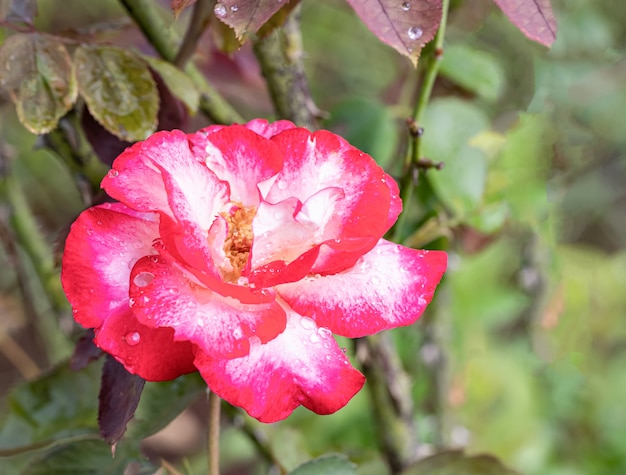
(280, 56)
(158, 33)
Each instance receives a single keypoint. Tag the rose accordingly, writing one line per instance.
(238, 251)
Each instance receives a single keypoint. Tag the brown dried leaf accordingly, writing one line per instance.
(405, 26)
(248, 16)
(533, 17)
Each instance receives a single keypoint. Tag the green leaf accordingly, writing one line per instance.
(119, 90)
(474, 70)
(326, 465)
(457, 463)
(162, 402)
(89, 457)
(177, 82)
(36, 70)
(368, 125)
(449, 124)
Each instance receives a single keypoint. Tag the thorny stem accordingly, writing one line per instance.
(215, 407)
(280, 56)
(145, 13)
(414, 167)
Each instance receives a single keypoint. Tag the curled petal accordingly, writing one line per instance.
(269, 129)
(164, 295)
(302, 366)
(240, 157)
(388, 287)
(103, 245)
(150, 353)
(320, 161)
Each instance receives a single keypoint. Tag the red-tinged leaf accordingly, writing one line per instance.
(85, 352)
(179, 5)
(533, 17)
(119, 397)
(406, 26)
(248, 16)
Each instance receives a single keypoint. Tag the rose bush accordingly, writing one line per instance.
(238, 251)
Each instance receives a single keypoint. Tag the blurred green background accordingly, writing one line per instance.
(525, 341)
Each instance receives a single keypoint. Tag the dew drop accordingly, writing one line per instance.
(406, 6)
(327, 357)
(133, 338)
(415, 33)
(131, 302)
(219, 10)
(237, 333)
(113, 173)
(307, 323)
(99, 223)
(145, 299)
(154, 259)
(234, 8)
(143, 279)
(314, 338)
(282, 185)
(324, 332)
(345, 350)
(89, 232)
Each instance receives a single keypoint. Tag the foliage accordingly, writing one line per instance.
(521, 356)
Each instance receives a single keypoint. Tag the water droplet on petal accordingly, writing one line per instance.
(307, 323)
(154, 259)
(113, 173)
(314, 338)
(406, 6)
(415, 33)
(324, 332)
(282, 185)
(345, 350)
(237, 333)
(89, 232)
(131, 302)
(234, 8)
(143, 279)
(132, 338)
(219, 10)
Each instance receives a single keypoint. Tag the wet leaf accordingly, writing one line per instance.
(119, 396)
(179, 5)
(326, 465)
(177, 82)
(533, 17)
(36, 70)
(119, 90)
(248, 16)
(406, 26)
(457, 463)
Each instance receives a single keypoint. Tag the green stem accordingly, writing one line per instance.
(147, 16)
(280, 56)
(214, 433)
(200, 18)
(392, 404)
(412, 168)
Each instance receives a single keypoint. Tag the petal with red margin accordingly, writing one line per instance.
(269, 129)
(103, 245)
(314, 162)
(388, 287)
(148, 352)
(161, 174)
(243, 159)
(302, 366)
(164, 295)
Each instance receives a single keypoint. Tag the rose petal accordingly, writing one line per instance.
(103, 245)
(269, 129)
(164, 295)
(322, 160)
(240, 157)
(150, 353)
(302, 366)
(388, 287)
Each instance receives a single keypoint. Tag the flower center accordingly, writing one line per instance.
(239, 239)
